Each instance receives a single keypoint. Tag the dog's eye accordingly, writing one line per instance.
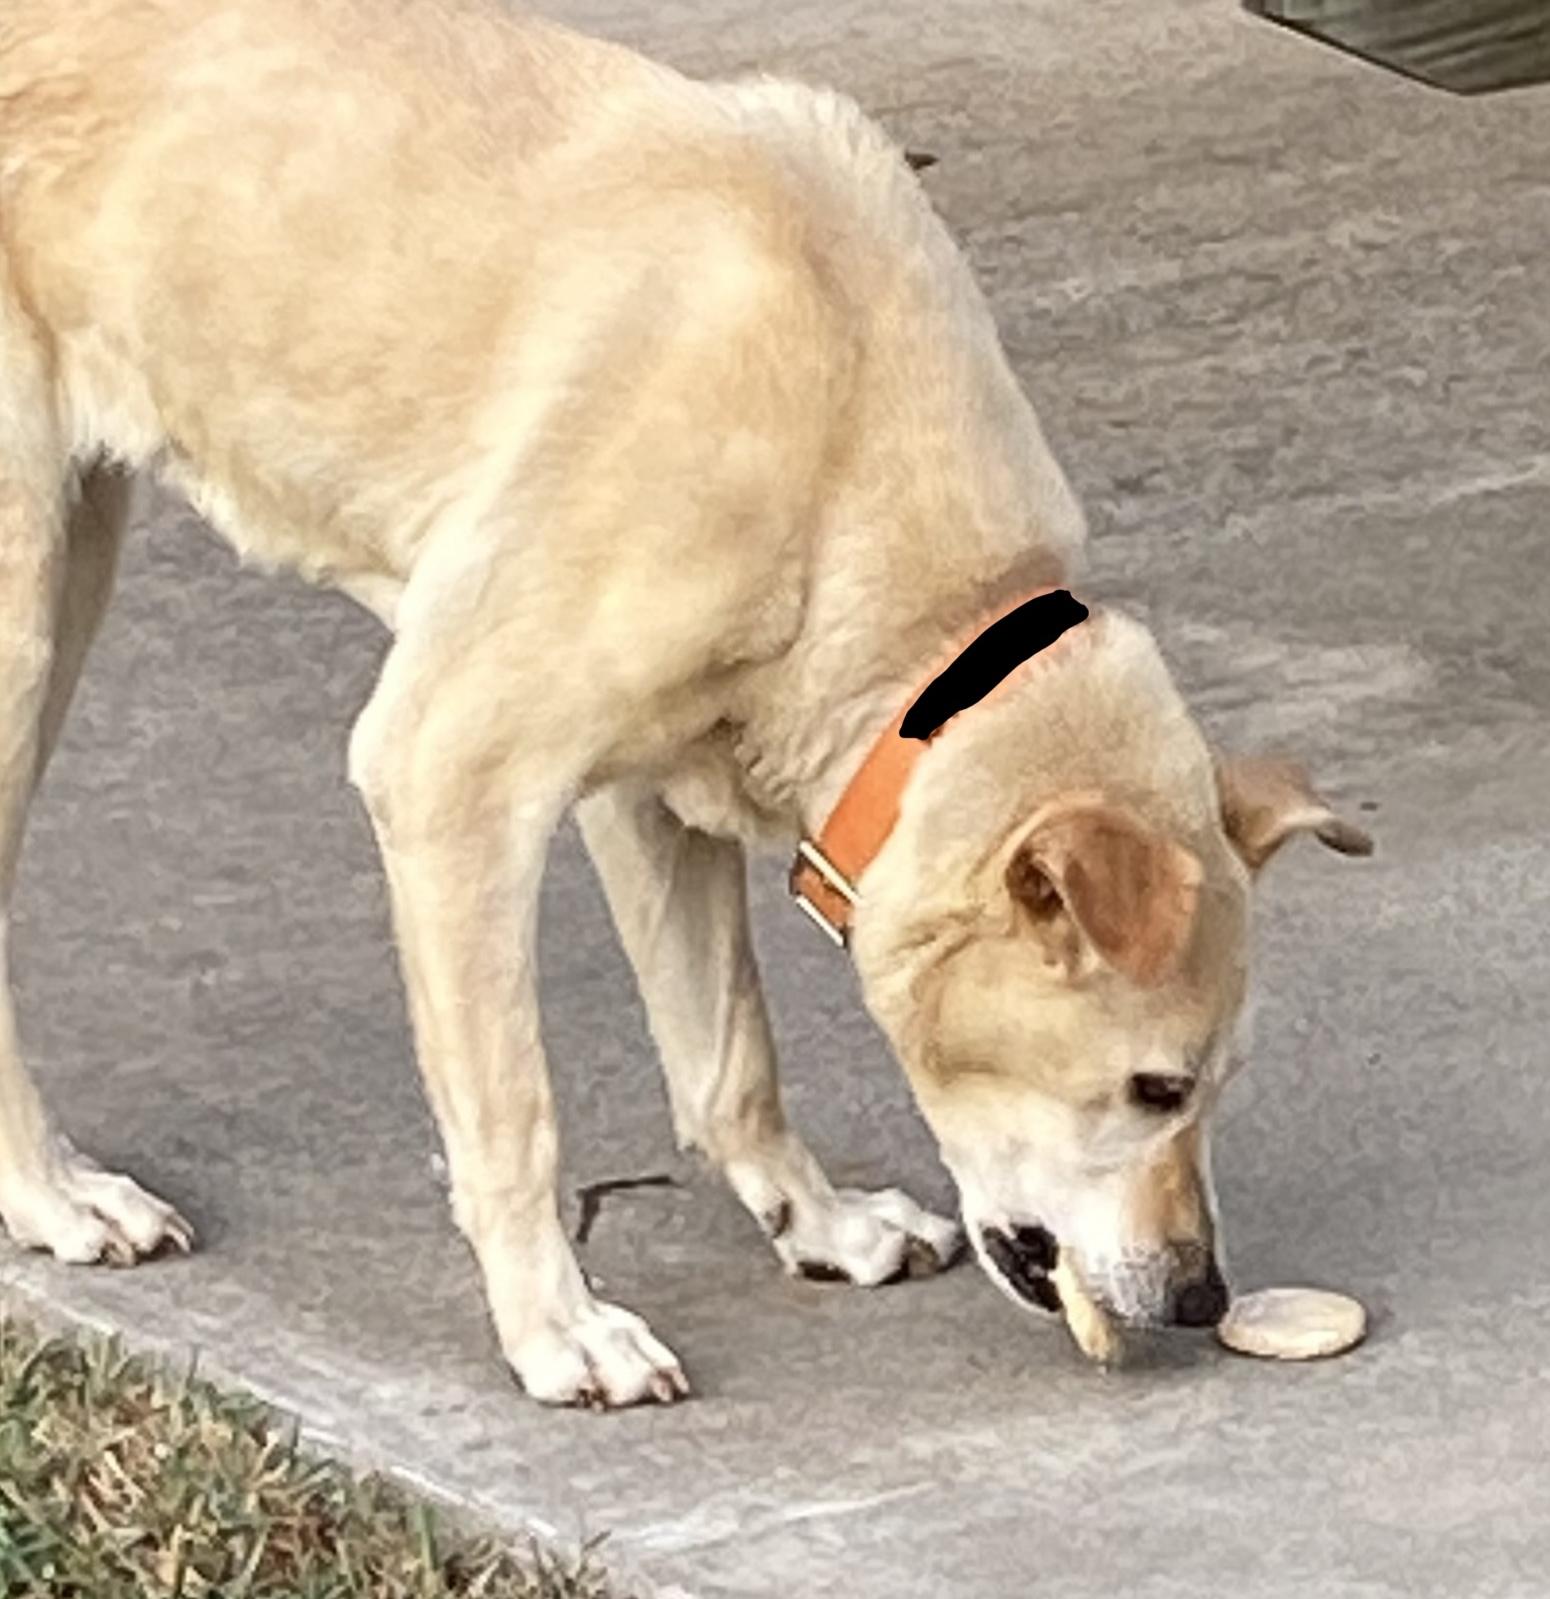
(1154, 1091)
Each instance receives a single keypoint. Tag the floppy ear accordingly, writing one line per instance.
(1100, 872)
(1265, 801)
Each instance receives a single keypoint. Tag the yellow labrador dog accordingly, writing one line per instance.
(665, 428)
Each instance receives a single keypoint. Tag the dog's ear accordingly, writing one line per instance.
(1099, 874)
(1264, 802)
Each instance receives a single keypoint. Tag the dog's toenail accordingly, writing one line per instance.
(820, 1271)
(776, 1221)
(921, 1260)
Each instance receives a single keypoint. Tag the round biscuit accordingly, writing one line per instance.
(1293, 1324)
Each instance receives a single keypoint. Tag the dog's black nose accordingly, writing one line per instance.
(1201, 1303)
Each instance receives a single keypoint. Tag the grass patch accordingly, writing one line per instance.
(122, 1479)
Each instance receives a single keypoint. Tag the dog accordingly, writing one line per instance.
(664, 426)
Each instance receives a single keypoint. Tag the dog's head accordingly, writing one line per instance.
(1056, 942)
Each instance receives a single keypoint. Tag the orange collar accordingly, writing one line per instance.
(826, 869)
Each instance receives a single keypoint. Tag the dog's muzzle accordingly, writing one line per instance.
(1024, 1257)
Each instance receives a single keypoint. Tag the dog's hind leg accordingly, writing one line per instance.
(95, 519)
(58, 538)
(679, 900)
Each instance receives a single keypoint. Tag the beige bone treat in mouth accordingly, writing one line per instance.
(1090, 1325)
(1293, 1324)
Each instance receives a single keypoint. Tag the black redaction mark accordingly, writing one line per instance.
(996, 653)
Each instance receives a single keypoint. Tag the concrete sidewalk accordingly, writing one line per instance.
(1288, 321)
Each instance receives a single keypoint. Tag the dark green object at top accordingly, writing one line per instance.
(1468, 46)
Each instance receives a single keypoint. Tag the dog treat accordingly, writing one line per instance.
(1095, 1333)
(1293, 1324)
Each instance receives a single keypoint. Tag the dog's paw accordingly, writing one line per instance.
(602, 1358)
(862, 1238)
(83, 1215)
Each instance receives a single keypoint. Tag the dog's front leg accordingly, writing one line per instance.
(464, 801)
(679, 899)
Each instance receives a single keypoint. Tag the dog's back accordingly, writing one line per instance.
(273, 245)
(332, 268)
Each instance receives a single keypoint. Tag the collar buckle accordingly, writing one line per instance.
(830, 877)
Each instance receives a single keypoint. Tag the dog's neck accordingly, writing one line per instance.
(860, 671)
(854, 804)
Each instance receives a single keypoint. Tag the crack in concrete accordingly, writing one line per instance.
(592, 1195)
(711, 1525)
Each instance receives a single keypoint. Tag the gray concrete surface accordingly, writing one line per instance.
(1289, 322)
